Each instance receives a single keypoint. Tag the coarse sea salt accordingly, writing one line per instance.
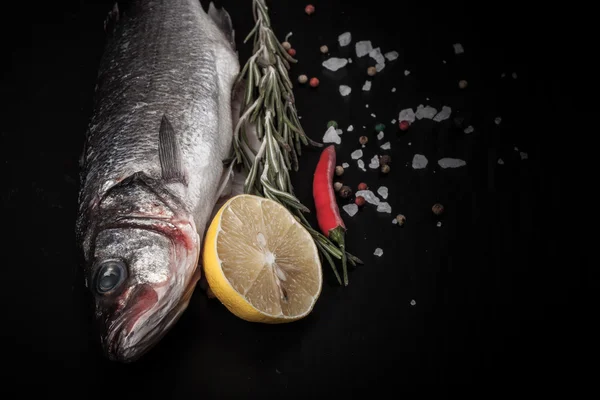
(373, 115)
(427, 112)
(500, 161)
(469, 129)
(344, 39)
(332, 136)
(384, 207)
(345, 165)
(383, 192)
(394, 121)
(419, 161)
(386, 146)
(378, 252)
(407, 115)
(369, 196)
(374, 164)
(361, 164)
(345, 90)
(350, 209)
(498, 120)
(356, 154)
(335, 63)
(394, 221)
(350, 128)
(524, 156)
(458, 48)
(393, 89)
(406, 72)
(448, 162)
(391, 55)
(363, 48)
(376, 55)
(367, 86)
(380, 135)
(443, 114)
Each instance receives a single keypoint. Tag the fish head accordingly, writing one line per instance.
(143, 271)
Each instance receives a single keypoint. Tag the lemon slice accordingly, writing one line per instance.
(260, 262)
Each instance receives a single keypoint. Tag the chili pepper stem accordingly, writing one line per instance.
(338, 236)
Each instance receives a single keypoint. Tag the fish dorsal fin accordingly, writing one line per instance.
(169, 153)
(222, 19)
(112, 19)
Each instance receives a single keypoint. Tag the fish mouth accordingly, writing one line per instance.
(145, 323)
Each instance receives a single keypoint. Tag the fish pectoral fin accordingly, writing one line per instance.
(169, 153)
(222, 19)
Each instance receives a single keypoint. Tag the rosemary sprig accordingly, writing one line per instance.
(269, 107)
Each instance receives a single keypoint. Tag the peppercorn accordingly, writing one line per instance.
(385, 168)
(314, 82)
(401, 219)
(286, 45)
(345, 192)
(437, 209)
(363, 140)
(404, 125)
(332, 123)
(362, 186)
(292, 52)
(324, 49)
(309, 9)
(339, 170)
(360, 201)
(462, 84)
(303, 79)
(379, 127)
(385, 159)
(337, 186)
(371, 71)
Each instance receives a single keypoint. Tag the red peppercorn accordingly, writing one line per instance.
(309, 9)
(360, 201)
(314, 82)
(362, 186)
(292, 52)
(404, 125)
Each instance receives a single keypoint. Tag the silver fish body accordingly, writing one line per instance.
(152, 167)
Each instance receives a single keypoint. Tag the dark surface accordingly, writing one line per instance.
(492, 285)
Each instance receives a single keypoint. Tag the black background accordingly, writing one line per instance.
(496, 305)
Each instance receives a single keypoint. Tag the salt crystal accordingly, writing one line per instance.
(376, 55)
(380, 135)
(334, 63)
(374, 164)
(412, 302)
(451, 162)
(331, 136)
(458, 48)
(444, 61)
(367, 105)
(350, 128)
(502, 75)
(356, 154)
(349, 61)
(345, 90)
(443, 114)
(361, 165)
(339, 131)
(394, 221)
(344, 39)
(384, 207)
(516, 148)
(373, 115)
(386, 146)
(369, 197)
(498, 120)
(391, 55)
(378, 252)
(524, 156)
(393, 89)
(364, 127)
(345, 165)
(500, 161)
(514, 75)
(406, 72)
(367, 86)
(469, 129)
(350, 209)
(409, 143)
(383, 191)
(439, 223)
(379, 67)
(407, 115)
(363, 48)
(394, 121)
(425, 112)
(419, 161)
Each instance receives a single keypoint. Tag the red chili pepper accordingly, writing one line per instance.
(328, 213)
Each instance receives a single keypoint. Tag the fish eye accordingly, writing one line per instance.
(110, 275)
